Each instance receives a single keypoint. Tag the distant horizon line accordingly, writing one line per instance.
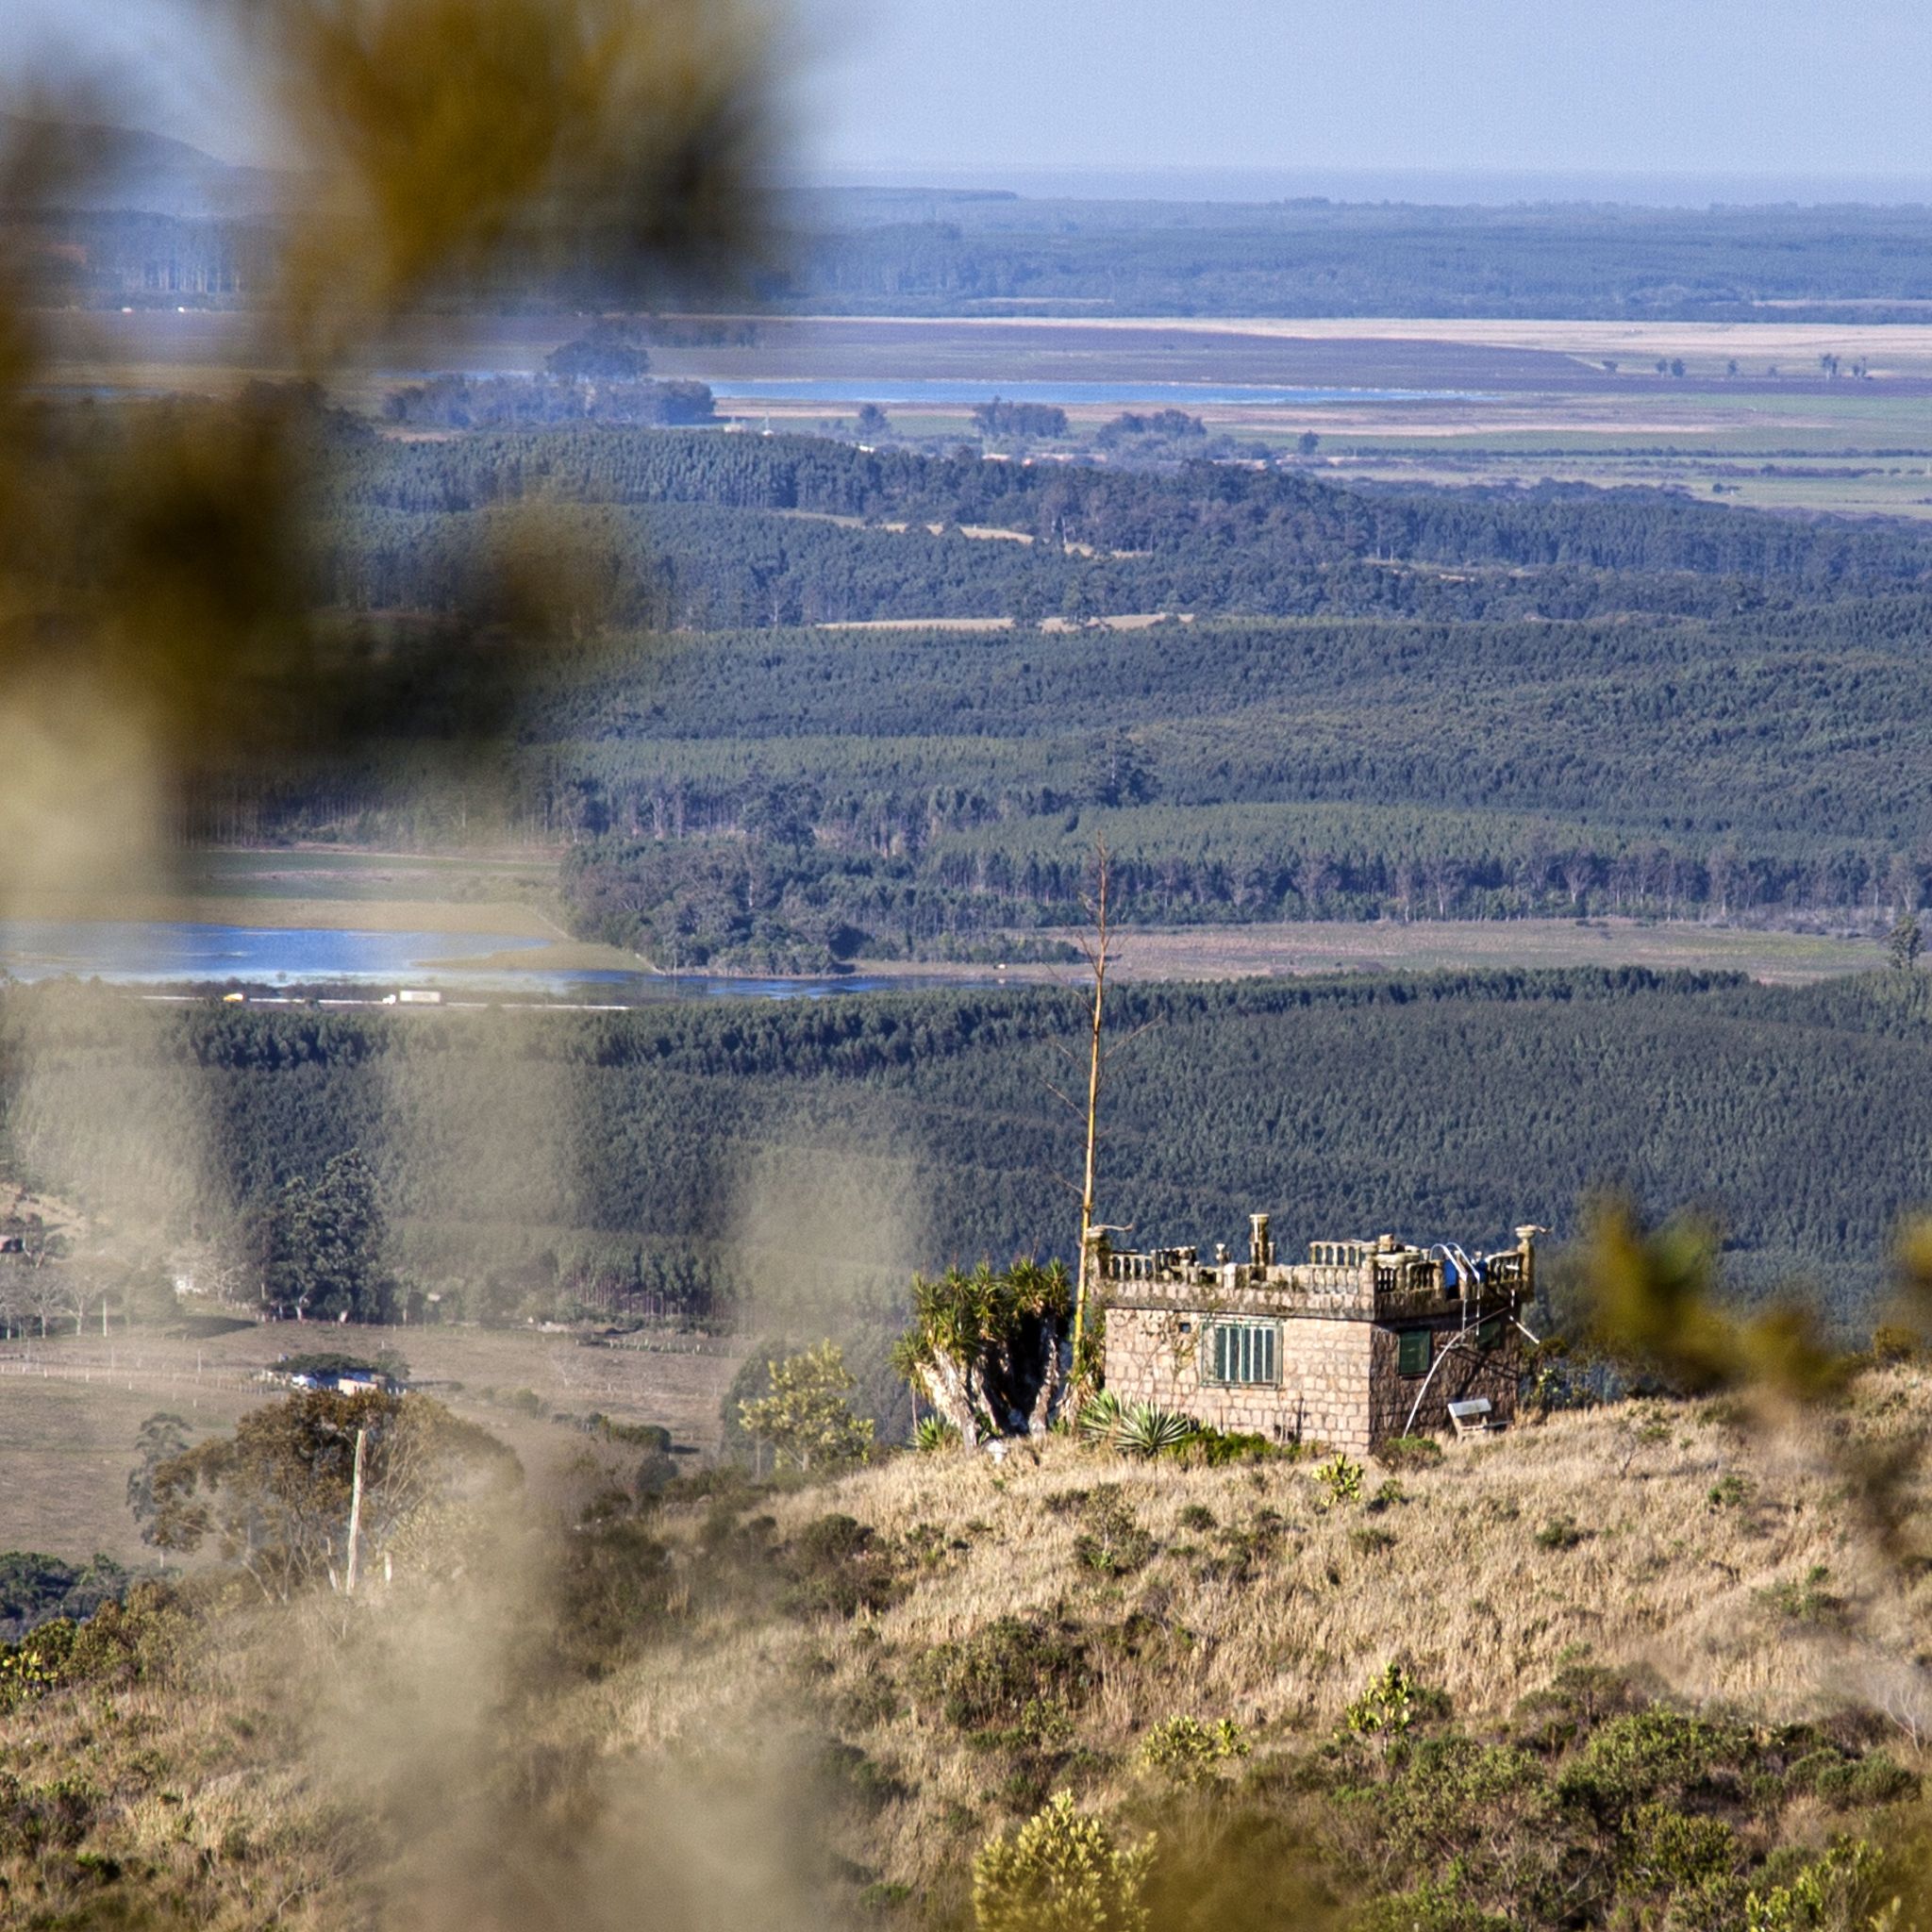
(1688, 189)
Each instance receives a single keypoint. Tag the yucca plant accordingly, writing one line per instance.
(1101, 1416)
(933, 1434)
(1145, 1430)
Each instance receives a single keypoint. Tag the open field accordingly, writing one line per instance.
(69, 1406)
(1246, 952)
(1497, 401)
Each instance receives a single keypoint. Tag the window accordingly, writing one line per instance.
(1242, 1352)
(1490, 1335)
(1413, 1351)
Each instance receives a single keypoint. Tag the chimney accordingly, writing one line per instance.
(1260, 1249)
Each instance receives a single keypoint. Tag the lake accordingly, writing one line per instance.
(159, 953)
(911, 391)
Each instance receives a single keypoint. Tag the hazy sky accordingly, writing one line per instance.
(944, 86)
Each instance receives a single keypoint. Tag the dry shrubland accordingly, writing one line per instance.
(752, 1705)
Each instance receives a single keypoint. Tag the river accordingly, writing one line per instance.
(161, 953)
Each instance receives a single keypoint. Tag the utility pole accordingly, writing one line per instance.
(355, 1516)
(1096, 948)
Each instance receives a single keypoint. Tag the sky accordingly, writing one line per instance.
(1256, 90)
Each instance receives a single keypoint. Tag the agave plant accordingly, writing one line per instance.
(1100, 1416)
(1145, 1430)
(933, 1434)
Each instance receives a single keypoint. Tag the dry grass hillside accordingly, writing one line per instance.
(1655, 1668)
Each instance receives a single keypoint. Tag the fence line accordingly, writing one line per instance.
(129, 1373)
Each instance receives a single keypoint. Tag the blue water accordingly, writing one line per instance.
(909, 391)
(135, 953)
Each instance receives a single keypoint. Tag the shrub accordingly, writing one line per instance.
(1188, 1751)
(1662, 1851)
(1217, 1447)
(51, 1816)
(873, 1699)
(1648, 1757)
(1430, 1908)
(1891, 1342)
(1060, 1872)
(1111, 1542)
(1341, 1479)
(1197, 1516)
(1410, 1453)
(847, 1771)
(654, 1473)
(1844, 1782)
(1828, 1892)
(121, 1643)
(1483, 1809)
(1386, 1708)
(1580, 1697)
(1806, 1602)
(837, 1569)
(613, 1582)
(1561, 1533)
(1729, 1491)
(990, 1678)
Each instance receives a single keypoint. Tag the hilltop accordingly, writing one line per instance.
(1648, 1668)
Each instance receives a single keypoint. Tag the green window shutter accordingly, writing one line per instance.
(1243, 1353)
(1413, 1352)
(1491, 1334)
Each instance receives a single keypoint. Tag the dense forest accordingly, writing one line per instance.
(1364, 702)
(937, 255)
(934, 252)
(793, 1163)
(1270, 521)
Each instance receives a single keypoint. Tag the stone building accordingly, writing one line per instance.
(1363, 1341)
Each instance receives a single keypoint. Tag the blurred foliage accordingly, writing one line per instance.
(158, 580)
(1655, 1300)
(1653, 1297)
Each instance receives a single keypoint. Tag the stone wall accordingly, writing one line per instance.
(1338, 1381)
(1322, 1392)
(1468, 1373)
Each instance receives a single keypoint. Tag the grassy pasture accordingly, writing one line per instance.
(70, 1407)
(1456, 946)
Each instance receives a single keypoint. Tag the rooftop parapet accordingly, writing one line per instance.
(1377, 1280)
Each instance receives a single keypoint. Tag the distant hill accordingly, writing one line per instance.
(130, 171)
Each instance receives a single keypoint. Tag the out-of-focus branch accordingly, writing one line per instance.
(158, 582)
